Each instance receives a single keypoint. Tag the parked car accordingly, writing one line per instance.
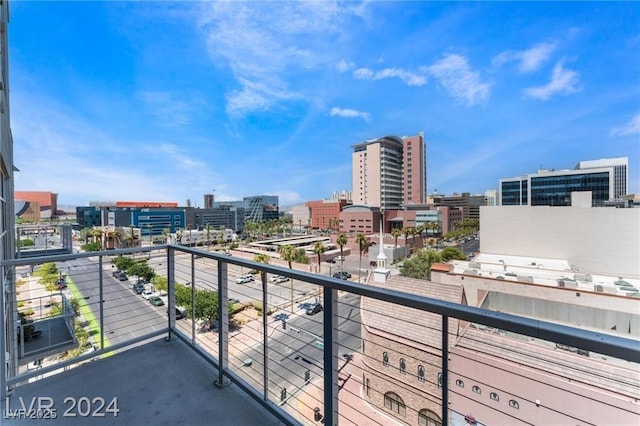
(282, 279)
(314, 309)
(156, 301)
(180, 312)
(147, 294)
(116, 273)
(342, 275)
(123, 277)
(339, 258)
(138, 288)
(330, 261)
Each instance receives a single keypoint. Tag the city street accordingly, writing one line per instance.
(298, 348)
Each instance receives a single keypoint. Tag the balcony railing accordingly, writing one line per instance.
(263, 335)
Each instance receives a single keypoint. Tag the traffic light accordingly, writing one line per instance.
(283, 394)
(307, 376)
(284, 324)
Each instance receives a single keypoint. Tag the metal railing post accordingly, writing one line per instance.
(265, 336)
(193, 300)
(101, 301)
(445, 370)
(171, 291)
(4, 339)
(223, 324)
(330, 352)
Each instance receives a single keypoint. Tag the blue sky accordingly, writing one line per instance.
(166, 101)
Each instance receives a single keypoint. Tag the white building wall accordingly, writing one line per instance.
(596, 240)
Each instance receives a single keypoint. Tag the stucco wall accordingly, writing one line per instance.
(595, 240)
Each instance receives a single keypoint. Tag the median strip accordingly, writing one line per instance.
(87, 313)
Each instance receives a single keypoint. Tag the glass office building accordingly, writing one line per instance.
(605, 179)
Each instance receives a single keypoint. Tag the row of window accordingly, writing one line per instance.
(494, 396)
(403, 366)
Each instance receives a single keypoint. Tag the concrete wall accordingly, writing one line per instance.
(594, 240)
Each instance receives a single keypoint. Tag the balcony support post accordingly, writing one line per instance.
(193, 299)
(445, 370)
(101, 300)
(330, 349)
(223, 324)
(171, 291)
(265, 336)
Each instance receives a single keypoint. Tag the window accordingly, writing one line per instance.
(494, 396)
(394, 403)
(420, 373)
(385, 359)
(439, 380)
(476, 389)
(428, 418)
(514, 404)
(460, 383)
(403, 366)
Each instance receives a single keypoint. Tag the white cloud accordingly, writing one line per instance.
(409, 78)
(265, 45)
(168, 108)
(528, 60)
(287, 197)
(349, 113)
(344, 65)
(457, 77)
(563, 82)
(632, 127)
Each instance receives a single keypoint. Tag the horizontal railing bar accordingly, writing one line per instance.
(82, 358)
(615, 346)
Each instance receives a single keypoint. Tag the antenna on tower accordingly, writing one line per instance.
(213, 195)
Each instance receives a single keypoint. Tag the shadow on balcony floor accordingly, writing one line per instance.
(156, 383)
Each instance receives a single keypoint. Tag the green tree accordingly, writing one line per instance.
(419, 265)
(342, 240)
(318, 249)
(288, 253)
(92, 246)
(206, 305)
(27, 242)
(123, 262)
(450, 253)
(301, 257)
(141, 269)
(362, 242)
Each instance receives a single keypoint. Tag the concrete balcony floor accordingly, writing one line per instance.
(158, 383)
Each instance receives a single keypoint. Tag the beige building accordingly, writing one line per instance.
(497, 377)
(389, 171)
(593, 240)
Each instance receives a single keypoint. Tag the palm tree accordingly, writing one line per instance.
(406, 231)
(395, 233)
(342, 240)
(318, 249)
(361, 241)
(150, 229)
(97, 237)
(116, 237)
(262, 258)
(208, 234)
(288, 253)
(165, 233)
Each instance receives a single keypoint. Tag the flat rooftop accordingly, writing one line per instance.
(544, 271)
(156, 383)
